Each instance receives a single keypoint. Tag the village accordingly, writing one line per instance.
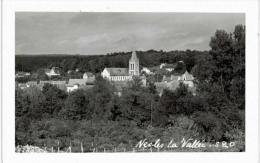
(127, 82)
(163, 76)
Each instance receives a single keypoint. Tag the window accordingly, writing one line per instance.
(132, 66)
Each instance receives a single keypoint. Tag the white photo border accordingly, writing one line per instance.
(249, 8)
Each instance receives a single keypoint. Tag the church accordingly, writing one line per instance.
(123, 74)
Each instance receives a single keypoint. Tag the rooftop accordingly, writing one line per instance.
(118, 71)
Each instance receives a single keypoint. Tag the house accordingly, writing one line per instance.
(143, 80)
(146, 71)
(21, 74)
(23, 85)
(27, 85)
(54, 71)
(76, 86)
(72, 87)
(69, 71)
(88, 75)
(172, 82)
(61, 87)
(172, 85)
(61, 84)
(78, 81)
(187, 79)
(31, 83)
(123, 74)
(53, 82)
(168, 67)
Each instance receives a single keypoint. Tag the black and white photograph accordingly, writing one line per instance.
(130, 81)
(113, 82)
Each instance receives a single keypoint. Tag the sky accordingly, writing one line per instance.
(90, 33)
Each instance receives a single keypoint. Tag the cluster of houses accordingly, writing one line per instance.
(86, 82)
(22, 74)
(170, 81)
(120, 76)
(173, 81)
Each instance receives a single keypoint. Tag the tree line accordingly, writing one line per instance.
(96, 64)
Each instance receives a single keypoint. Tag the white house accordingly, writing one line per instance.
(168, 67)
(187, 79)
(72, 87)
(54, 71)
(23, 85)
(22, 74)
(146, 70)
(88, 75)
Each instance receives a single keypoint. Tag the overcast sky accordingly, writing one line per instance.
(101, 33)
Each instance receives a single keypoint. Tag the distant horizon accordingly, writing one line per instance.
(112, 52)
(99, 33)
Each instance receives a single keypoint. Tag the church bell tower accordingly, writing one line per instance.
(134, 65)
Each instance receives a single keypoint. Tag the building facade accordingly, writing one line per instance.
(173, 81)
(123, 74)
(54, 71)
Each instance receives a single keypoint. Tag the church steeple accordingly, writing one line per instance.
(134, 65)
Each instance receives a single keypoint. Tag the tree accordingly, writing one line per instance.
(102, 99)
(237, 89)
(135, 84)
(168, 102)
(39, 75)
(76, 106)
(221, 82)
(28, 108)
(137, 105)
(152, 88)
(29, 102)
(54, 99)
(224, 66)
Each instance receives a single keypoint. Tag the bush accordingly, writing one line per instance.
(209, 125)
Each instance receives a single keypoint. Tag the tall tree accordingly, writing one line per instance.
(54, 99)
(76, 106)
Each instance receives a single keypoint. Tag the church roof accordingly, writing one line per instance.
(118, 71)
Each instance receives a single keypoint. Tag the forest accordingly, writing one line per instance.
(96, 64)
(99, 118)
